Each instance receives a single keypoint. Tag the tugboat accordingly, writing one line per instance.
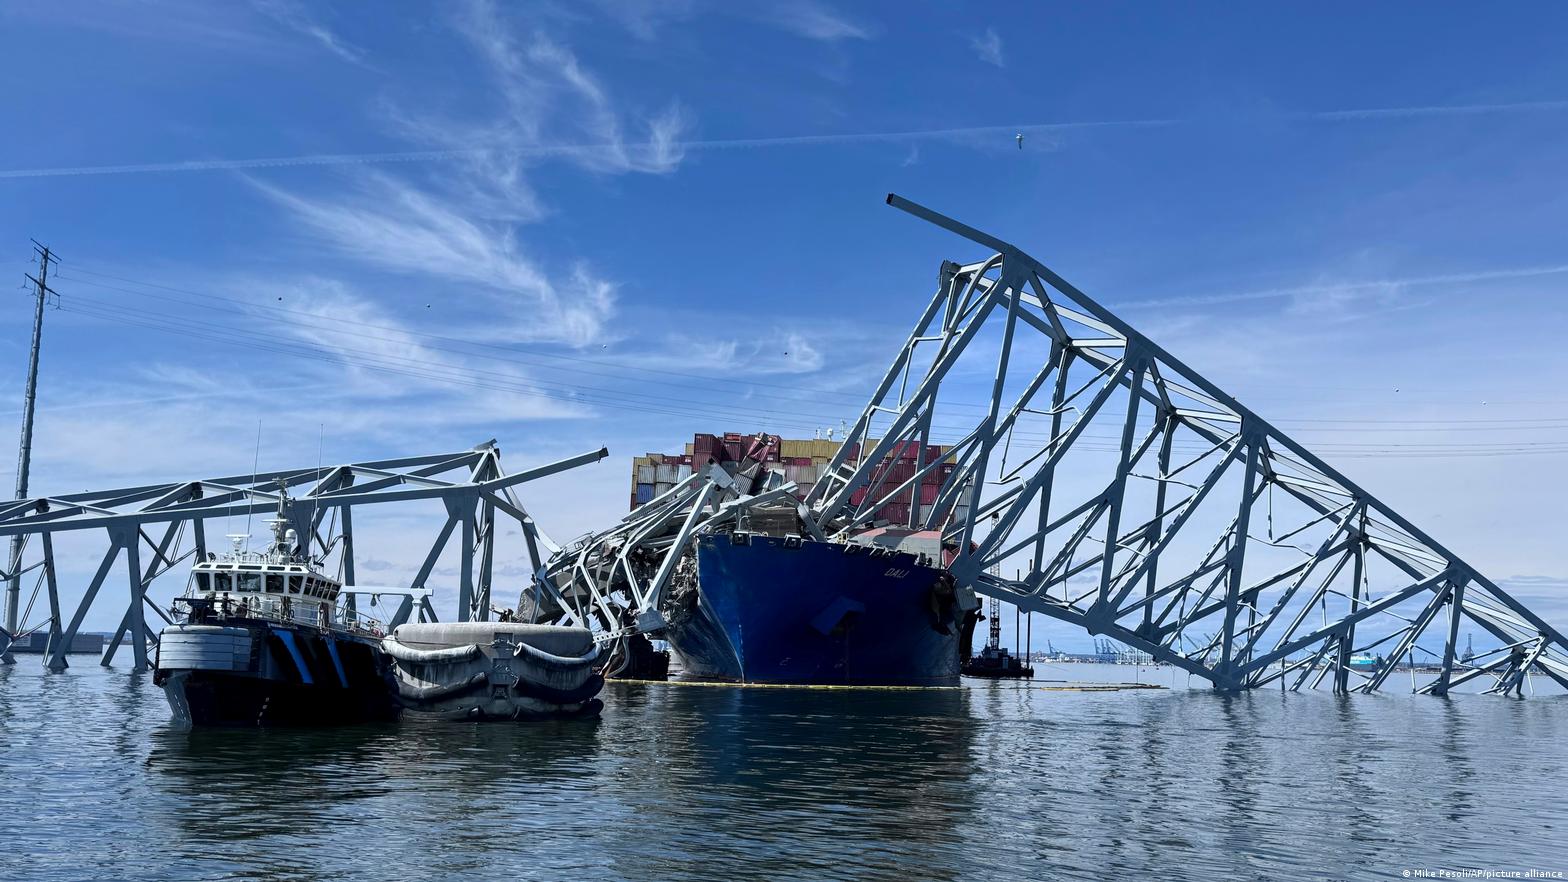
(994, 662)
(262, 644)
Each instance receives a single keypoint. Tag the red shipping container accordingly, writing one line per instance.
(928, 494)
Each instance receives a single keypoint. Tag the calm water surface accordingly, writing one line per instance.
(991, 781)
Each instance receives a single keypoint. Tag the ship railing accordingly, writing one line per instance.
(272, 611)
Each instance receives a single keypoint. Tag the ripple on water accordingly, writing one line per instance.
(718, 783)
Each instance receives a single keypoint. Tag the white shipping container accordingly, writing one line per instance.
(645, 474)
(665, 474)
(682, 473)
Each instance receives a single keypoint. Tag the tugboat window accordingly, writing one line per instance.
(220, 581)
(274, 583)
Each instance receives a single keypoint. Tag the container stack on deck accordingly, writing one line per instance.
(801, 461)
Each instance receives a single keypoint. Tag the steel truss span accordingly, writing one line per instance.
(478, 497)
(1120, 490)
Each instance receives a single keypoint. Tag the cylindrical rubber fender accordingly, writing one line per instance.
(428, 656)
(589, 689)
(559, 662)
(431, 693)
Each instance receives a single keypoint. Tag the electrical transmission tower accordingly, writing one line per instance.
(13, 590)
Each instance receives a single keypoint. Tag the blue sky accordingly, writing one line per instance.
(420, 229)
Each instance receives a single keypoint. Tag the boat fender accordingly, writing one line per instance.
(558, 662)
(431, 693)
(405, 653)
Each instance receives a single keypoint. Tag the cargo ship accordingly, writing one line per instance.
(756, 599)
(767, 609)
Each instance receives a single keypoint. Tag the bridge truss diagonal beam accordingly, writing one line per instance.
(472, 485)
(1112, 486)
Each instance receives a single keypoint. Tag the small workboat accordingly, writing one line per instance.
(261, 642)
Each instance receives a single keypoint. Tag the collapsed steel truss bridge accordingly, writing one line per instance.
(1131, 496)
(318, 503)
(1125, 492)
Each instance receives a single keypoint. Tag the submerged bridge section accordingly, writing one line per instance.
(319, 502)
(1122, 491)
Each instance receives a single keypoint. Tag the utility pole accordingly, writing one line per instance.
(41, 292)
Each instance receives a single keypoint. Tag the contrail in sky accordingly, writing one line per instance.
(328, 159)
(1332, 288)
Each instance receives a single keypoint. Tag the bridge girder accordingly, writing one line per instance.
(1129, 495)
(471, 484)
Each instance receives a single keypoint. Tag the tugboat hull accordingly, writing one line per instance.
(203, 698)
(266, 674)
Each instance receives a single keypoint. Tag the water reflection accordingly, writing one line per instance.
(994, 781)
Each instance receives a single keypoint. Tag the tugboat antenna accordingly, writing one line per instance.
(255, 466)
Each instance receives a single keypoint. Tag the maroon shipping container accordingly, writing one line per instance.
(898, 513)
(928, 494)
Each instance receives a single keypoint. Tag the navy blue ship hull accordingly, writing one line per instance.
(772, 611)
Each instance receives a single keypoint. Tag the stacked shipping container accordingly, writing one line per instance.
(801, 461)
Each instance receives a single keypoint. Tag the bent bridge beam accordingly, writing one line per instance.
(1112, 486)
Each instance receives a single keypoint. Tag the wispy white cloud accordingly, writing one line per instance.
(988, 46)
(1305, 296)
(465, 225)
(398, 226)
(760, 356)
(645, 19)
(295, 16)
(812, 20)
